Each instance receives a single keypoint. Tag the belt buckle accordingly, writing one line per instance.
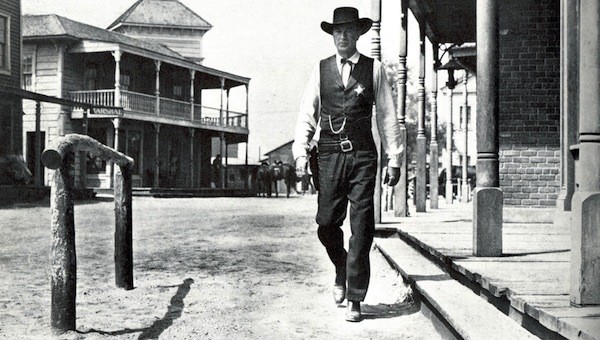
(346, 146)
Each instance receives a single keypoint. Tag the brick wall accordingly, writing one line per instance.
(530, 102)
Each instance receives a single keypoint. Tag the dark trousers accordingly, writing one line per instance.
(348, 177)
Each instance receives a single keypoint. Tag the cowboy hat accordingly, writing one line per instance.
(347, 15)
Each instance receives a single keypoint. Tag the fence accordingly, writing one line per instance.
(60, 157)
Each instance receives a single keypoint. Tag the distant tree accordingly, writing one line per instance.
(391, 70)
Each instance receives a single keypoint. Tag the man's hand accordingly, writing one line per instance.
(301, 163)
(392, 176)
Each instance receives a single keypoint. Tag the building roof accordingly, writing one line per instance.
(55, 26)
(170, 13)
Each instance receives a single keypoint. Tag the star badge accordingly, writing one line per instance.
(359, 90)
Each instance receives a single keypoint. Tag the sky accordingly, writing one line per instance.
(276, 43)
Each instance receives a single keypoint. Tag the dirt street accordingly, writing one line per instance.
(204, 268)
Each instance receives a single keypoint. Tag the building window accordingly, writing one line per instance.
(125, 81)
(89, 77)
(178, 91)
(27, 72)
(4, 43)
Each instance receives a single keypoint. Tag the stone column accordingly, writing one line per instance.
(465, 127)
(585, 215)
(421, 186)
(433, 143)
(449, 141)
(400, 191)
(487, 198)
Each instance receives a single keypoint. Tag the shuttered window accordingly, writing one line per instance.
(4, 43)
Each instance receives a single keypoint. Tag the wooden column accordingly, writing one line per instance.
(117, 124)
(117, 55)
(433, 143)
(157, 155)
(247, 108)
(449, 140)
(569, 103)
(585, 215)
(227, 122)
(157, 63)
(221, 107)
(465, 190)
(487, 198)
(37, 180)
(400, 191)
(192, 77)
(192, 158)
(421, 186)
(376, 54)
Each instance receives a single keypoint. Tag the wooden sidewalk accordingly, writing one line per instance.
(533, 275)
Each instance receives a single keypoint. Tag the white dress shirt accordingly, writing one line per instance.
(387, 124)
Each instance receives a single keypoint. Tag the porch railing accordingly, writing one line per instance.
(139, 102)
(146, 104)
(175, 108)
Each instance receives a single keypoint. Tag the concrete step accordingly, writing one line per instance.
(471, 316)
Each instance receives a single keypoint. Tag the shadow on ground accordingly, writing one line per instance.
(174, 311)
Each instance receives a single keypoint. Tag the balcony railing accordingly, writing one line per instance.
(146, 104)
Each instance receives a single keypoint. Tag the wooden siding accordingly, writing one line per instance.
(12, 9)
(46, 63)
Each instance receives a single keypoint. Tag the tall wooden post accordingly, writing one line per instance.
(585, 216)
(247, 106)
(123, 227)
(487, 202)
(465, 128)
(433, 143)
(63, 258)
(401, 190)
(449, 139)
(569, 103)
(376, 54)
(421, 185)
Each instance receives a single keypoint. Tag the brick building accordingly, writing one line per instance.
(529, 102)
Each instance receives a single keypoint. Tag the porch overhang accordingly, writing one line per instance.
(93, 46)
(446, 21)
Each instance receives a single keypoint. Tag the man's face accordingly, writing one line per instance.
(345, 37)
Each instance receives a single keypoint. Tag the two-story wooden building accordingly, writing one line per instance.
(10, 77)
(148, 64)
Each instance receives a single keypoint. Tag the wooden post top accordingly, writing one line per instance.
(53, 156)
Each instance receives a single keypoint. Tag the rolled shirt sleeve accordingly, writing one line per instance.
(387, 123)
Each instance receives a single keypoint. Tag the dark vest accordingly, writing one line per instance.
(353, 103)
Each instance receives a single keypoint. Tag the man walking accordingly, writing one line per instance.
(338, 103)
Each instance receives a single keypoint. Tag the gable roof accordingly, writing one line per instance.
(171, 13)
(55, 26)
